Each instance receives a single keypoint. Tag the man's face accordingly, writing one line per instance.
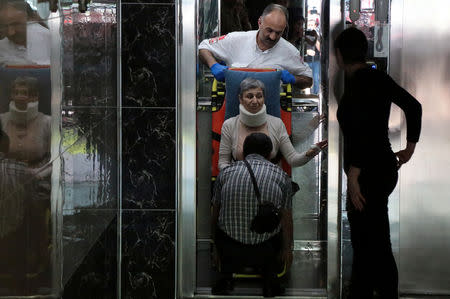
(13, 25)
(271, 28)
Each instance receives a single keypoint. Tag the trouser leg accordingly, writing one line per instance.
(373, 262)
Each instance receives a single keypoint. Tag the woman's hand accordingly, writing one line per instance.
(317, 120)
(316, 148)
(354, 191)
(403, 156)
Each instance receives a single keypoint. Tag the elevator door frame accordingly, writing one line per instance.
(186, 36)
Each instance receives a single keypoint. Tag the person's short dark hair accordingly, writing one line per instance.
(352, 43)
(4, 141)
(258, 143)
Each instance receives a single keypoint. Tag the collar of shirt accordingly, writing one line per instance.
(255, 157)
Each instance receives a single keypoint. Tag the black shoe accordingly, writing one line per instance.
(223, 286)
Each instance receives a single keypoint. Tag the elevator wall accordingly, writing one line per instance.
(420, 62)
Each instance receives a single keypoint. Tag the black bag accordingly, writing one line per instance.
(268, 216)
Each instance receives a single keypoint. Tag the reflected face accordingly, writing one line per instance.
(13, 25)
(271, 28)
(21, 96)
(252, 100)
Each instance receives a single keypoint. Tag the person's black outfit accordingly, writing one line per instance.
(235, 256)
(363, 115)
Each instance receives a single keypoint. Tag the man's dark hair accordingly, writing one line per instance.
(258, 143)
(4, 141)
(352, 43)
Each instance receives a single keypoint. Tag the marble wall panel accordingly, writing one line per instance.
(148, 55)
(148, 158)
(90, 254)
(148, 254)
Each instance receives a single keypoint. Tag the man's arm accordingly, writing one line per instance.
(287, 237)
(303, 81)
(207, 57)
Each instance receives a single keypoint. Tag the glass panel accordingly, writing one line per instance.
(308, 274)
(58, 149)
(89, 150)
(27, 235)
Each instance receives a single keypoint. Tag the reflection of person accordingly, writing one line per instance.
(29, 148)
(236, 244)
(27, 128)
(370, 164)
(253, 118)
(233, 16)
(263, 48)
(312, 41)
(24, 37)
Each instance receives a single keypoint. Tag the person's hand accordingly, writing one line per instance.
(354, 190)
(218, 71)
(286, 257)
(287, 77)
(404, 155)
(316, 148)
(317, 120)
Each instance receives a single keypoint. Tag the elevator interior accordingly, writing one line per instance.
(309, 205)
(322, 257)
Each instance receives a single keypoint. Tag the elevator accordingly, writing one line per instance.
(322, 248)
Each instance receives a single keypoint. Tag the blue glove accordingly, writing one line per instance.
(218, 71)
(287, 77)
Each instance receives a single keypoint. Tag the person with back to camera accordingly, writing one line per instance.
(263, 48)
(235, 206)
(253, 118)
(370, 164)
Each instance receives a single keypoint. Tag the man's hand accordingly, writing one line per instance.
(218, 71)
(287, 77)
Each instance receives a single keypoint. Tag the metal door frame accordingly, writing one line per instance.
(186, 35)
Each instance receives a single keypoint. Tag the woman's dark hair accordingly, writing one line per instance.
(258, 143)
(352, 43)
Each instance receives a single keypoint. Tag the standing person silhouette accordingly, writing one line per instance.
(370, 164)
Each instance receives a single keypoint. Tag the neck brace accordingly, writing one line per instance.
(252, 119)
(22, 117)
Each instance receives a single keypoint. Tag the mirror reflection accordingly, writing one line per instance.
(259, 75)
(26, 245)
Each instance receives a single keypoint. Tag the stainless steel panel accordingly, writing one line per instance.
(423, 68)
(54, 24)
(334, 89)
(186, 147)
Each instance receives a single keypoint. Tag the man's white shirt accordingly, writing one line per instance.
(239, 49)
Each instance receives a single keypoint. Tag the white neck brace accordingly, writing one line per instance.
(22, 117)
(252, 119)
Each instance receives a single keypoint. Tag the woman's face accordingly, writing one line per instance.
(21, 97)
(252, 99)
